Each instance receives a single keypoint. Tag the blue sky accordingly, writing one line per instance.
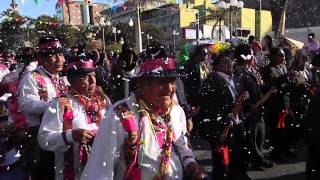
(29, 8)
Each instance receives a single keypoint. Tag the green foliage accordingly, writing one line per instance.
(68, 35)
(13, 36)
(10, 32)
(114, 47)
(152, 30)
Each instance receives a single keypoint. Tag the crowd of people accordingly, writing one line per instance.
(80, 113)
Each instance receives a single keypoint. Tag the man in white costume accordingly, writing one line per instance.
(71, 122)
(37, 89)
(142, 135)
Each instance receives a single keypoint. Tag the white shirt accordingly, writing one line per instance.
(312, 46)
(230, 83)
(29, 100)
(50, 134)
(106, 161)
(3, 71)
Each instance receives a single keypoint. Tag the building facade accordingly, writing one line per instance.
(79, 12)
(171, 19)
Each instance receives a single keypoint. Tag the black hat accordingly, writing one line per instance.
(50, 45)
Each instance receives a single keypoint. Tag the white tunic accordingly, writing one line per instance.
(3, 71)
(29, 100)
(107, 161)
(50, 134)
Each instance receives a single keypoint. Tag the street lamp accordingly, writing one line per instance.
(234, 5)
(27, 26)
(149, 38)
(121, 41)
(102, 23)
(260, 19)
(115, 32)
(198, 28)
(131, 22)
(174, 33)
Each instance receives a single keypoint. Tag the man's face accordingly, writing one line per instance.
(226, 65)
(84, 84)
(54, 62)
(158, 92)
(279, 57)
(204, 56)
(310, 38)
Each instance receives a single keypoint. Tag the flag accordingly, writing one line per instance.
(36, 1)
(125, 8)
(60, 2)
(114, 9)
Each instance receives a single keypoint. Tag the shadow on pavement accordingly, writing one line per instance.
(298, 176)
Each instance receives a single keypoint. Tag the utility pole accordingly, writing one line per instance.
(260, 32)
(138, 30)
(198, 28)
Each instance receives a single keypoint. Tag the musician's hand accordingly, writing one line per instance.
(6, 129)
(196, 172)
(43, 95)
(243, 97)
(82, 135)
(189, 125)
(273, 90)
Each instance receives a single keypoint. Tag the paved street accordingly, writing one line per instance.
(292, 169)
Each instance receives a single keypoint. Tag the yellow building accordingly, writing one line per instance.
(263, 25)
(195, 2)
(247, 20)
(179, 17)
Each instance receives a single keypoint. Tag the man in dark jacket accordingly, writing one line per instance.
(121, 71)
(250, 81)
(276, 74)
(221, 108)
(197, 70)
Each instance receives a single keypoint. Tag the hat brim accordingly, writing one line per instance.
(162, 74)
(52, 51)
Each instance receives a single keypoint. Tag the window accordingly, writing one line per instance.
(172, 17)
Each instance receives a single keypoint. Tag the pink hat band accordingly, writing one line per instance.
(50, 45)
(80, 65)
(157, 65)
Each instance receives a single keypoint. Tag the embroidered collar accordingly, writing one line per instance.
(76, 93)
(50, 75)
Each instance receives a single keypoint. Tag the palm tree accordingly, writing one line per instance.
(68, 10)
(216, 15)
(282, 23)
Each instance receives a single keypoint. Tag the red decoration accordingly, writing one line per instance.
(282, 115)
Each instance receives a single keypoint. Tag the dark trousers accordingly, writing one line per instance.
(235, 171)
(237, 158)
(256, 138)
(313, 161)
(40, 164)
(279, 136)
(46, 168)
